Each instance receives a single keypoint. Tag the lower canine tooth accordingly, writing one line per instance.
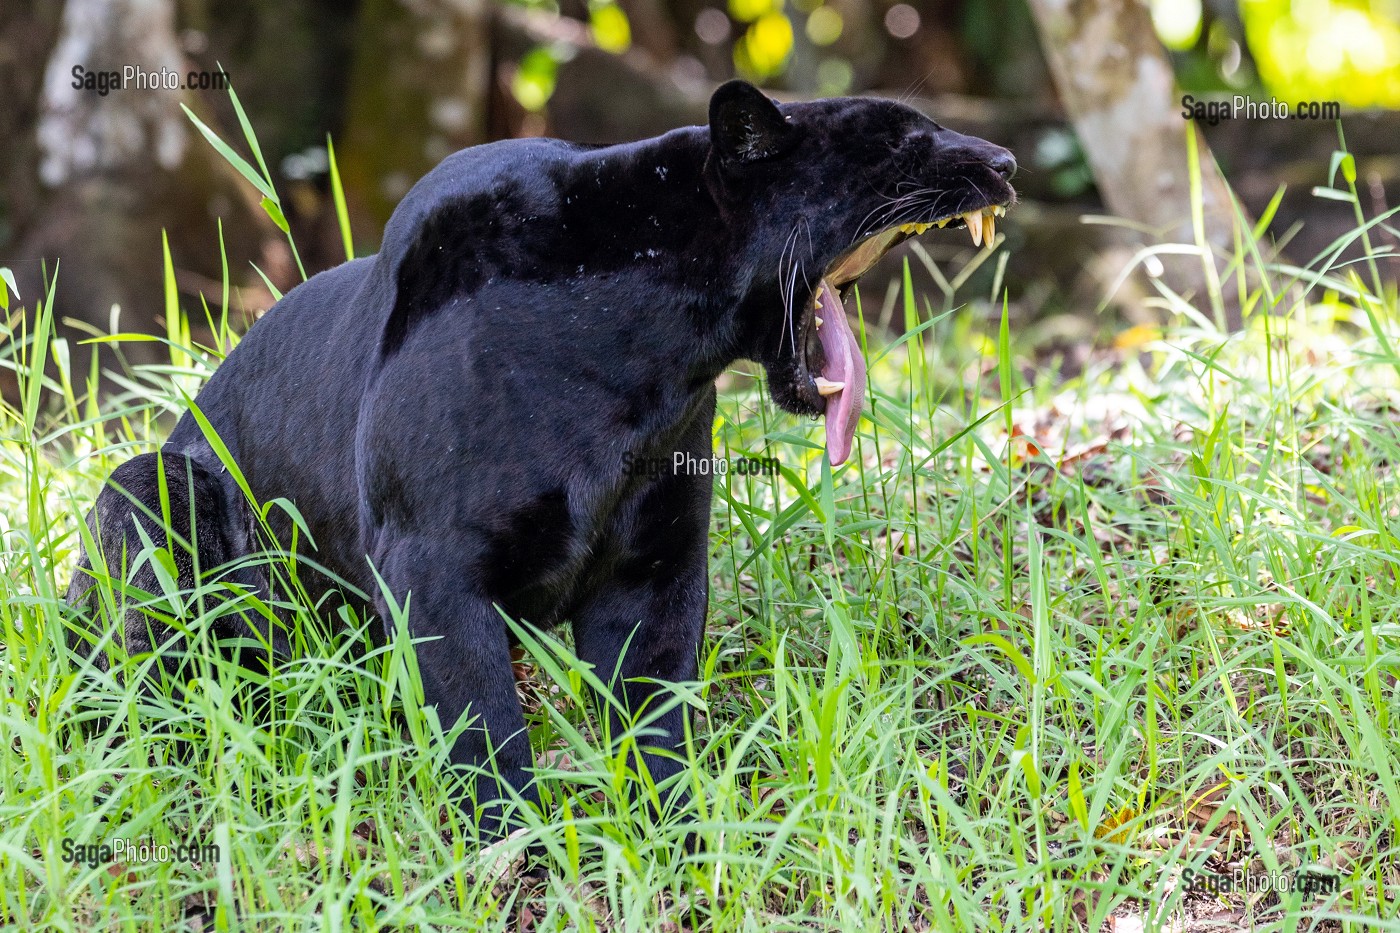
(974, 225)
(826, 387)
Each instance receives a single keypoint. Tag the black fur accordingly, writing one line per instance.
(174, 500)
(458, 410)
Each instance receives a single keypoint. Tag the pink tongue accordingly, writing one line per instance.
(844, 363)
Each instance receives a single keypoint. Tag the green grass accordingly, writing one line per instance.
(1038, 650)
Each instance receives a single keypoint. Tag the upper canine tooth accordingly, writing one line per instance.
(826, 387)
(974, 225)
(990, 228)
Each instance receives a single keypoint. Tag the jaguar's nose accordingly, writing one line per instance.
(1004, 164)
(958, 146)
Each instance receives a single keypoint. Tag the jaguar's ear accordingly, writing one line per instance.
(745, 126)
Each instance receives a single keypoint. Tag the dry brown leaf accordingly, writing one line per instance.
(1200, 810)
(1110, 827)
(120, 871)
(557, 758)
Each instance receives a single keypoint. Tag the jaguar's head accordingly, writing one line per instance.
(817, 192)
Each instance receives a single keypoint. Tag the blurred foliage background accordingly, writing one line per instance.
(1294, 50)
(1320, 49)
(398, 84)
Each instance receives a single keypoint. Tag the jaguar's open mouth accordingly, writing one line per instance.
(832, 376)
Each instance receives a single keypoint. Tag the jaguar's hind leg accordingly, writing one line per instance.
(174, 502)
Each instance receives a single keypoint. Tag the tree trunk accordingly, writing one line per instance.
(1115, 81)
(107, 174)
(419, 89)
